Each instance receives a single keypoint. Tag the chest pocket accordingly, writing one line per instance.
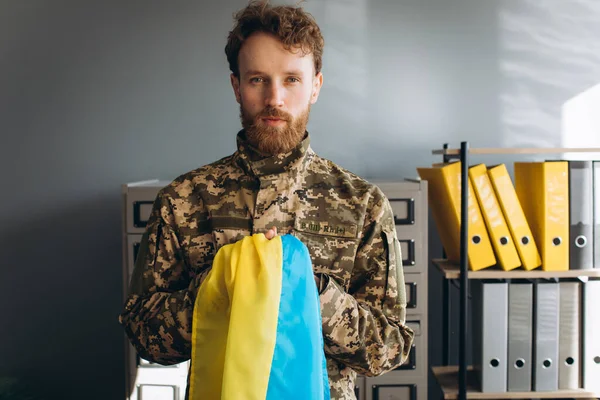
(227, 229)
(332, 248)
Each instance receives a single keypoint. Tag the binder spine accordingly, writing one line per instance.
(596, 199)
(569, 343)
(581, 209)
(545, 337)
(491, 335)
(591, 333)
(520, 319)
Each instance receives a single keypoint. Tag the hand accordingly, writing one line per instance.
(271, 233)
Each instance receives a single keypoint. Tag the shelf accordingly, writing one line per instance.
(447, 378)
(452, 271)
(515, 150)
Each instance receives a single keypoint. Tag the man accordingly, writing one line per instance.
(274, 183)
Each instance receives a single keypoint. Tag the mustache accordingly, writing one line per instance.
(271, 112)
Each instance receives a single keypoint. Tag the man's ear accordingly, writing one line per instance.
(316, 89)
(235, 84)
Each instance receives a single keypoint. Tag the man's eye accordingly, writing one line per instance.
(256, 80)
(294, 79)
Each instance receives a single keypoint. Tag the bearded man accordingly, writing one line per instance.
(276, 184)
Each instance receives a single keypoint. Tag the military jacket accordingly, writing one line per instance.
(346, 223)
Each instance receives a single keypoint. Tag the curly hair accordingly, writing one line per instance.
(291, 25)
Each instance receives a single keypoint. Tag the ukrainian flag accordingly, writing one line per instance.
(256, 329)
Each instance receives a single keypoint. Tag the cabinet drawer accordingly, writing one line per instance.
(359, 388)
(157, 392)
(416, 363)
(403, 207)
(408, 201)
(414, 258)
(139, 199)
(416, 294)
(394, 392)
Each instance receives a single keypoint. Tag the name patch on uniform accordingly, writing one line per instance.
(326, 228)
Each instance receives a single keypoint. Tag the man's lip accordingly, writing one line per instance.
(273, 119)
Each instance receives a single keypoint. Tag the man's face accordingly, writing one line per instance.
(275, 90)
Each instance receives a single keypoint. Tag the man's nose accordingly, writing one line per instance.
(275, 95)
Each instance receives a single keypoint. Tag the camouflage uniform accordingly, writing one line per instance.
(346, 223)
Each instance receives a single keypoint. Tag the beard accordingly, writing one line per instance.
(273, 140)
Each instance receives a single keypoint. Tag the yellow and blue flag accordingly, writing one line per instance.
(256, 329)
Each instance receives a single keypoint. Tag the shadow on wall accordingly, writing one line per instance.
(548, 55)
(581, 123)
(64, 341)
(435, 80)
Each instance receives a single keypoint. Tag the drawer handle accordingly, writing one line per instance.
(410, 212)
(408, 259)
(411, 289)
(137, 213)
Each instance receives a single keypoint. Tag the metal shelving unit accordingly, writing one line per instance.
(457, 382)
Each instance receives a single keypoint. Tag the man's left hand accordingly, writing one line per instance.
(271, 233)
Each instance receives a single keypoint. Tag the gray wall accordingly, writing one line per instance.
(94, 94)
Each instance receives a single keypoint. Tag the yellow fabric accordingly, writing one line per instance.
(230, 361)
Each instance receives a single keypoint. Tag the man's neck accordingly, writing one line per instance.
(261, 164)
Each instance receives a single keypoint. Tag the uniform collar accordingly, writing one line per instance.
(259, 164)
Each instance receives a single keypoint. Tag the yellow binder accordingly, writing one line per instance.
(543, 190)
(515, 217)
(436, 189)
(502, 242)
(444, 183)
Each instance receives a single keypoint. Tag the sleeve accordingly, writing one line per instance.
(364, 327)
(157, 315)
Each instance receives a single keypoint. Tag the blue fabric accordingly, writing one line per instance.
(299, 369)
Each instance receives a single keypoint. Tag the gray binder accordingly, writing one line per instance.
(581, 211)
(591, 334)
(568, 336)
(520, 320)
(545, 336)
(490, 328)
(597, 214)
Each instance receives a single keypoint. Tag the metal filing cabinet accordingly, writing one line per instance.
(408, 199)
(145, 380)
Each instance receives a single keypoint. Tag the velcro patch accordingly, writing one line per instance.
(326, 228)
